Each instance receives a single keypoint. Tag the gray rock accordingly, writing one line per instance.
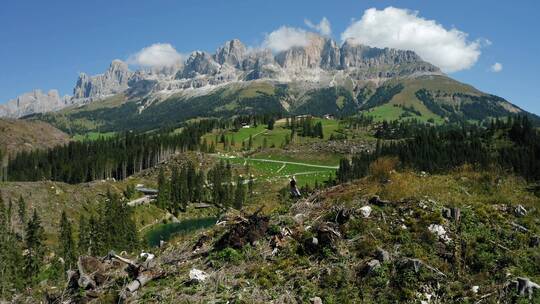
(371, 266)
(233, 52)
(382, 255)
(520, 211)
(316, 300)
(33, 102)
(115, 80)
(199, 63)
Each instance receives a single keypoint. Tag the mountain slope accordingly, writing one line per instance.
(24, 135)
(319, 78)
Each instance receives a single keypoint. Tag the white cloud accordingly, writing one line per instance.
(404, 29)
(156, 56)
(496, 67)
(285, 38)
(323, 27)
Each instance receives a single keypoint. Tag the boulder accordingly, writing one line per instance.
(520, 211)
(316, 300)
(365, 211)
(197, 276)
(382, 255)
(440, 232)
(371, 266)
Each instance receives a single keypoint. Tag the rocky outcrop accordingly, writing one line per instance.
(233, 53)
(199, 63)
(114, 80)
(33, 102)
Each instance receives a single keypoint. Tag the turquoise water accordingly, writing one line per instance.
(166, 231)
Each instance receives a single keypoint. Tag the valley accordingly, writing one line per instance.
(300, 169)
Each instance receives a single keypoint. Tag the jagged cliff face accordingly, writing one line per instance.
(321, 62)
(113, 81)
(34, 102)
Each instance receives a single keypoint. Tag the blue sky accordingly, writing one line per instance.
(45, 44)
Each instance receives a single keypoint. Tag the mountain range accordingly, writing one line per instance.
(321, 77)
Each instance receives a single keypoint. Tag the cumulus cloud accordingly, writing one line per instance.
(392, 27)
(496, 67)
(157, 55)
(323, 27)
(285, 38)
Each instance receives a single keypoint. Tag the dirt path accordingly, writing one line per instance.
(254, 135)
(292, 163)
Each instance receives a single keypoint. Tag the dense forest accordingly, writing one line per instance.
(441, 148)
(188, 185)
(117, 157)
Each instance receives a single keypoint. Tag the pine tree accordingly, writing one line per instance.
(21, 204)
(35, 249)
(240, 193)
(163, 197)
(10, 255)
(271, 123)
(84, 236)
(250, 142)
(67, 243)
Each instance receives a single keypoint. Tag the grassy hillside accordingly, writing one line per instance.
(434, 98)
(23, 135)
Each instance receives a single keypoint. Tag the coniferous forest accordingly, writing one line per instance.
(438, 149)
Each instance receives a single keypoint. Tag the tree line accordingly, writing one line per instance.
(438, 149)
(304, 126)
(117, 157)
(187, 185)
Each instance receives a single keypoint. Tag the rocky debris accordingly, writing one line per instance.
(243, 231)
(343, 215)
(526, 287)
(440, 232)
(299, 218)
(365, 211)
(316, 300)
(475, 288)
(418, 264)
(371, 266)
(382, 255)
(520, 211)
(324, 236)
(197, 276)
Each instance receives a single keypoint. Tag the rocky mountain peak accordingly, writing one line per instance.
(114, 80)
(33, 102)
(199, 63)
(233, 52)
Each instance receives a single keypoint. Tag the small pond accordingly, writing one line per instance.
(166, 231)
